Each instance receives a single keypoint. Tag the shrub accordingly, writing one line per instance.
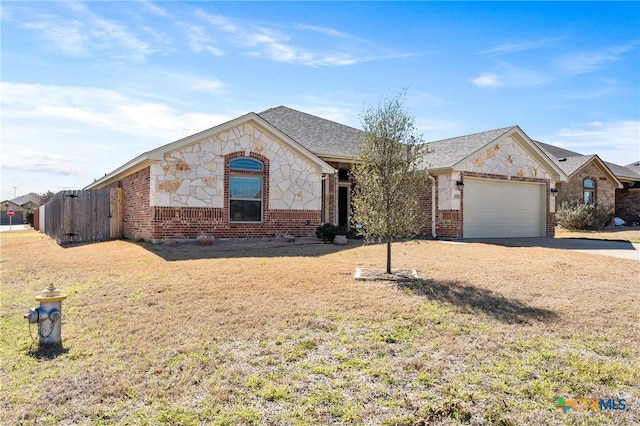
(327, 232)
(576, 215)
(29, 217)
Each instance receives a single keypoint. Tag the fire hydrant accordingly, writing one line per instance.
(48, 316)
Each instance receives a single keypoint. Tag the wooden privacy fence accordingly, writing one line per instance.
(83, 216)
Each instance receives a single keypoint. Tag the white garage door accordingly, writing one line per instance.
(499, 209)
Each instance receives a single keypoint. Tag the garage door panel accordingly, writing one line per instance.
(497, 209)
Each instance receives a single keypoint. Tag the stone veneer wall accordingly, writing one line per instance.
(573, 190)
(193, 176)
(506, 158)
(189, 222)
(628, 204)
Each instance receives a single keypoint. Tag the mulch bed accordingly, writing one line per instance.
(396, 275)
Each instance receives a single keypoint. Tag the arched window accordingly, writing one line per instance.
(245, 190)
(589, 191)
(246, 164)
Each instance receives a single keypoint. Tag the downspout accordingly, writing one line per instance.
(433, 207)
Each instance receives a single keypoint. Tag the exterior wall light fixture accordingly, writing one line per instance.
(554, 192)
(460, 185)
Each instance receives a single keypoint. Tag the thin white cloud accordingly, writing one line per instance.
(100, 128)
(85, 34)
(69, 37)
(517, 46)
(101, 108)
(199, 41)
(31, 160)
(486, 80)
(589, 61)
(323, 30)
(508, 75)
(289, 46)
(614, 141)
(155, 9)
(186, 82)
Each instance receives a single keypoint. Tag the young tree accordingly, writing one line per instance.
(45, 197)
(390, 176)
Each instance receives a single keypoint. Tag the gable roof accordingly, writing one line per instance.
(447, 152)
(556, 151)
(634, 167)
(323, 137)
(11, 205)
(630, 172)
(571, 162)
(31, 197)
(156, 155)
(450, 153)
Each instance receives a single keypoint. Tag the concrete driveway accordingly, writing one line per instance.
(621, 249)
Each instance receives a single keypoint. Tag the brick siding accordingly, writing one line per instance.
(189, 222)
(137, 212)
(628, 204)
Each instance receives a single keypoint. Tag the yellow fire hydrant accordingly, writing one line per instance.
(48, 316)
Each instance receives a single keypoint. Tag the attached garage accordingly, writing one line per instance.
(503, 209)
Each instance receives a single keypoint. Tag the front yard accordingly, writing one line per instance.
(283, 334)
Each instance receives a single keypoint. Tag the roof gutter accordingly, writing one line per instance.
(132, 166)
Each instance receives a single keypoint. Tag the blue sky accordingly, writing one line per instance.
(87, 86)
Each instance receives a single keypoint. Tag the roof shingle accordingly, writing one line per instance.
(318, 135)
(447, 152)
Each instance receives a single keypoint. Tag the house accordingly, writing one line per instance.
(18, 213)
(594, 180)
(283, 171)
(29, 201)
(590, 178)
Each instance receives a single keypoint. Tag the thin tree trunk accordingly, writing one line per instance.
(388, 255)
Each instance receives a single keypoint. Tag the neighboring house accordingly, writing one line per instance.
(18, 213)
(594, 180)
(628, 197)
(590, 179)
(283, 171)
(29, 201)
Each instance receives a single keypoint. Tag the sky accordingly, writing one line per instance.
(88, 86)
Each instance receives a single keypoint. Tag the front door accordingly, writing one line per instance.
(343, 205)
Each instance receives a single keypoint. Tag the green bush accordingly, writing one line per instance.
(28, 216)
(576, 215)
(327, 232)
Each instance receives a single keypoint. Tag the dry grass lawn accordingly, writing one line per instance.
(282, 334)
